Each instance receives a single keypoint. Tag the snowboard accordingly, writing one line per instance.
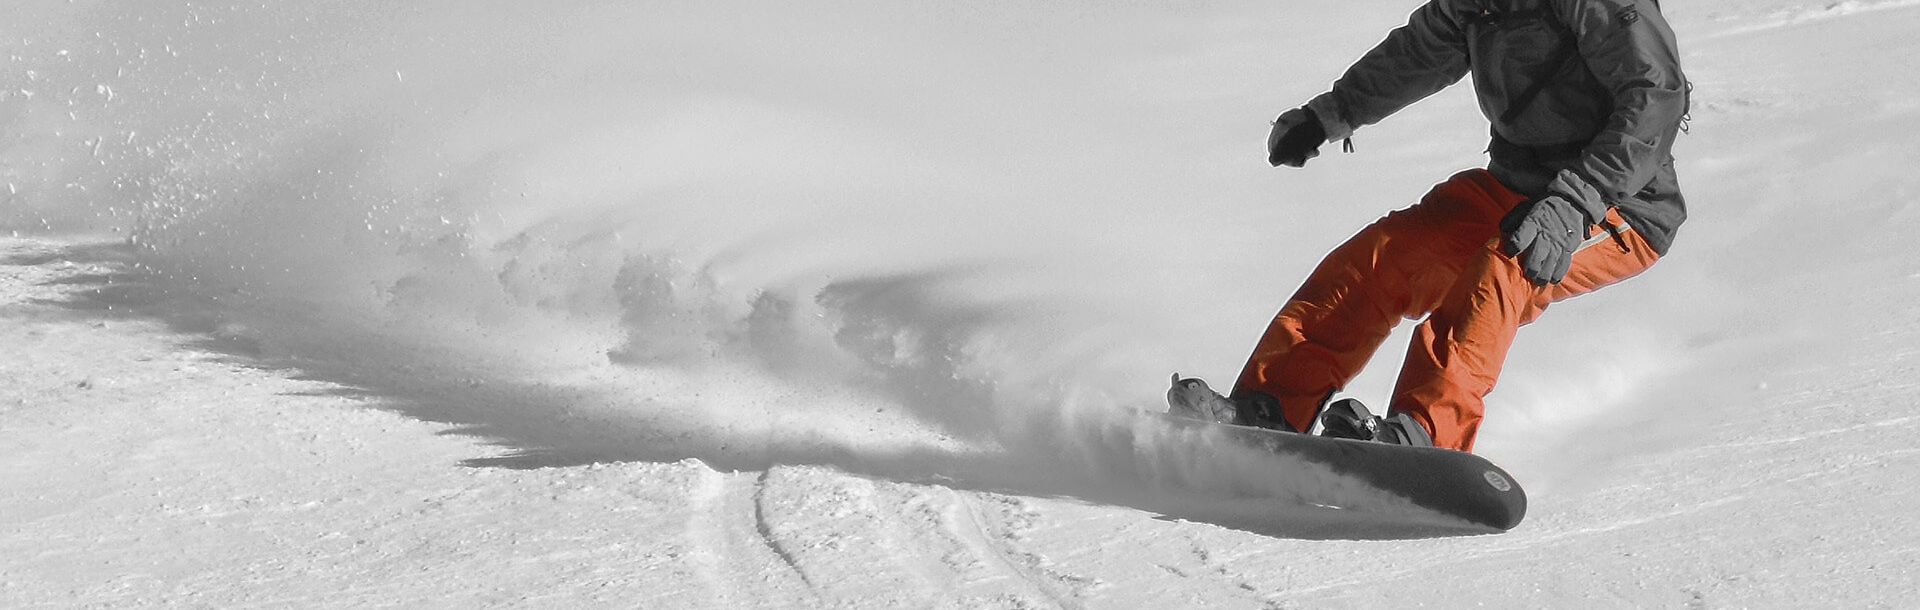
(1454, 483)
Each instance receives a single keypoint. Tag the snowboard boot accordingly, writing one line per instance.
(1401, 429)
(1260, 410)
(1191, 398)
(1348, 418)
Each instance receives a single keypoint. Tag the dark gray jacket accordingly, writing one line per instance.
(1609, 110)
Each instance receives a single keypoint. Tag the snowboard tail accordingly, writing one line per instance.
(1454, 483)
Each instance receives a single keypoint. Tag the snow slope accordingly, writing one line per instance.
(598, 304)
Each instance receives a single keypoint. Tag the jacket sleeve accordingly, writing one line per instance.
(1415, 61)
(1631, 52)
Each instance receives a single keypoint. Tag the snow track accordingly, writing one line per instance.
(816, 537)
(991, 528)
(732, 547)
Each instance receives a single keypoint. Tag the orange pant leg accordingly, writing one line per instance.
(1400, 266)
(1457, 353)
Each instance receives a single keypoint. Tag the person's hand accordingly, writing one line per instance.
(1297, 136)
(1547, 231)
(1544, 234)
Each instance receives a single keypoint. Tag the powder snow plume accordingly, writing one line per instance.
(537, 218)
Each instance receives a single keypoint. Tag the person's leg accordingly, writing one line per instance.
(1399, 266)
(1456, 354)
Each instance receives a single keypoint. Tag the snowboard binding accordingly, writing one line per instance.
(1348, 418)
(1192, 398)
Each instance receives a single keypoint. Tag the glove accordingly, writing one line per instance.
(1297, 136)
(1543, 233)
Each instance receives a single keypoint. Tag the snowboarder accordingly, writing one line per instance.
(1585, 98)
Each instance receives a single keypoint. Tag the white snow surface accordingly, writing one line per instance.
(756, 305)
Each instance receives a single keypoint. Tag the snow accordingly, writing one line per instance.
(609, 305)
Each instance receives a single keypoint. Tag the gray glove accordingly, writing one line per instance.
(1545, 232)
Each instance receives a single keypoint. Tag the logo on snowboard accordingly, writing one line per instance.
(1498, 482)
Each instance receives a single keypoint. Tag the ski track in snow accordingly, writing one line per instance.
(814, 537)
(994, 531)
(735, 550)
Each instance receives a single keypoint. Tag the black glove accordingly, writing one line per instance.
(1297, 136)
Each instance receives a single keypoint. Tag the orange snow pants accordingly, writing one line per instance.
(1441, 258)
